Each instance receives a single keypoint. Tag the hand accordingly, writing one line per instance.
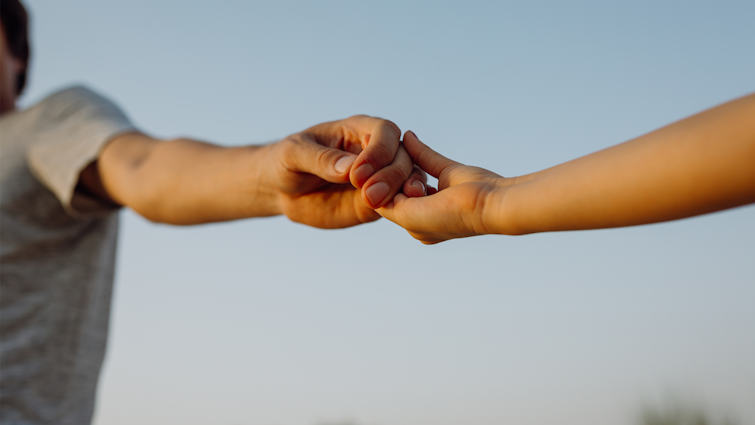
(466, 196)
(311, 171)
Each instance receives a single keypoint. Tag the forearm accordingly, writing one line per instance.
(187, 182)
(701, 164)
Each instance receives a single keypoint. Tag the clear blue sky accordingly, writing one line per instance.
(268, 322)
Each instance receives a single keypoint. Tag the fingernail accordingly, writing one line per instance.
(414, 134)
(377, 193)
(418, 184)
(364, 172)
(344, 163)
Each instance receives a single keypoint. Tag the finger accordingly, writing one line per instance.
(392, 210)
(425, 218)
(304, 155)
(346, 134)
(429, 160)
(380, 140)
(416, 185)
(351, 134)
(388, 181)
(409, 213)
(334, 206)
(418, 216)
(374, 140)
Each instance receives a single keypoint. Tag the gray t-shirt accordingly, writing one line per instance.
(57, 254)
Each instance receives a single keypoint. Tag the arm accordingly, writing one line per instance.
(701, 164)
(305, 176)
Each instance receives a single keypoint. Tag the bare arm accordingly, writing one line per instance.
(701, 164)
(182, 181)
(698, 165)
(305, 176)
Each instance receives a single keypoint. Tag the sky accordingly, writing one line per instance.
(268, 322)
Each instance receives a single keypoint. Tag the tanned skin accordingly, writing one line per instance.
(331, 175)
(313, 177)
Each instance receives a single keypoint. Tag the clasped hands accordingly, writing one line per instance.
(343, 173)
(348, 172)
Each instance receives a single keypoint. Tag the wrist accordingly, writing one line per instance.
(500, 213)
(264, 193)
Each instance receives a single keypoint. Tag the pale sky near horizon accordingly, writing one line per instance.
(266, 322)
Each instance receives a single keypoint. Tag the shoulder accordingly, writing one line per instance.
(75, 103)
(74, 95)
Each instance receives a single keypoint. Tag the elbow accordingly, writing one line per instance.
(146, 186)
(148, 204)
(156, 206)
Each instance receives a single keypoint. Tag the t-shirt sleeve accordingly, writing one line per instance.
(73, 127)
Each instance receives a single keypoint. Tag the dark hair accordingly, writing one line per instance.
(16, 25)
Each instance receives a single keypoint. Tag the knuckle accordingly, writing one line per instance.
(394, 176)
(418, 173)
(323, 157)
(380, 154)
(404, 172)
(405, 167)
(291, 142)
(390, 125)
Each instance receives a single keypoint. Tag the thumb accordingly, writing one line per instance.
(332, 165)
(432, 162)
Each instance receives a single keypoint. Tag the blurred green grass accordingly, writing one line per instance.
(672, 411)
(678, 412)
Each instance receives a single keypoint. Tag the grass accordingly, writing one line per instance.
(675, 412)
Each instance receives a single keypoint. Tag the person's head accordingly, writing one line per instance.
(14, 52)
